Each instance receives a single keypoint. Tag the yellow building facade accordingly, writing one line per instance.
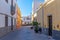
(18, 20)
(40, 16)
(49, 12)
(52, 8)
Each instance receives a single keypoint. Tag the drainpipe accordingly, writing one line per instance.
(12, 15)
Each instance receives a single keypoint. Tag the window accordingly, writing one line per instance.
(6, 1)
(28, 18)
(6, 20)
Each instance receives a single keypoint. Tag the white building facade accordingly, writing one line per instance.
(7, 16)
(35, 6)
(26, 20)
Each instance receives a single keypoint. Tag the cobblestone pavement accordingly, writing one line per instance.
(25, 33)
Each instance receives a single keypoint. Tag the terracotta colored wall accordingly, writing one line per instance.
(18, 20)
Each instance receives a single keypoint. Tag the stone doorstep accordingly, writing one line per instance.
(50, 38)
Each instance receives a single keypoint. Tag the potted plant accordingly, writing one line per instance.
(36, 29)
(35, 24)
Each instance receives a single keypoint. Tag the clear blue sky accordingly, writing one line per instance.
(25, 6)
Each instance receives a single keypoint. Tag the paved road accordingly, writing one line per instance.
(25, 33)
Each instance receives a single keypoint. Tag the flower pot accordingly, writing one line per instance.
(31, 27)
(36, 31)
(40, 30)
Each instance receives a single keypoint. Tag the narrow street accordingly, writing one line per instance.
(25, 33)
(18, 16)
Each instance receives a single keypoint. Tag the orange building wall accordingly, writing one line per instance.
(18, 20)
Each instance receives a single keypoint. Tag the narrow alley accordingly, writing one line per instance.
(25, 33)
(29, 20)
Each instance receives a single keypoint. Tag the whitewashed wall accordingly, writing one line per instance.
(25, 20)
(9, 2)
(2, 21)
(46, 0)
(4, 7)
(35, 5)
